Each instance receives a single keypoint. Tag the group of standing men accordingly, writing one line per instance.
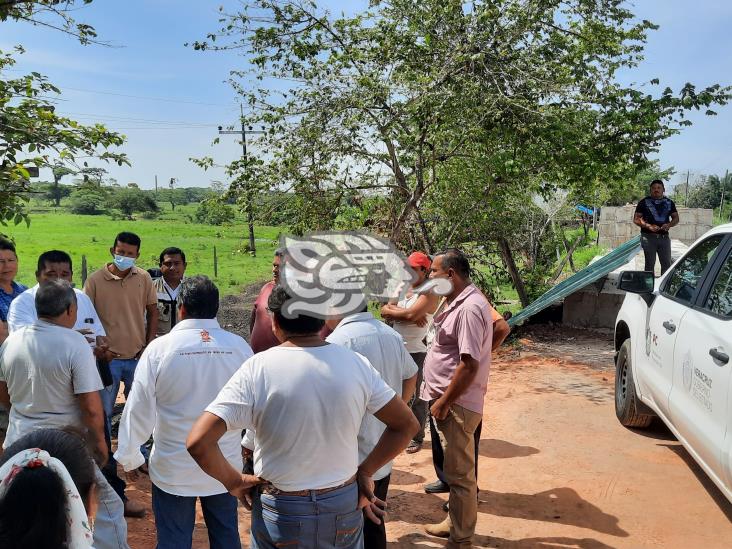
(67, 352)
(321, 457)
(440, 346)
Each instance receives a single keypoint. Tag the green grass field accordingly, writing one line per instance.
(92, 236)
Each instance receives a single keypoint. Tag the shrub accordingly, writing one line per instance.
(86, 201)
(213, 212)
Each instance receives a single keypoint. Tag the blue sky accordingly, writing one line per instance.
(169, 99)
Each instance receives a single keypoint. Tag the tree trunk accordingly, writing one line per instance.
(429, 246)
(56, 191)
(570, 249)
(510, 264)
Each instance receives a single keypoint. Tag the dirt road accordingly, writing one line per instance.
(556, 468)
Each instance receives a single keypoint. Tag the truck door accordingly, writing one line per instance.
(699, 398)
(678, 292)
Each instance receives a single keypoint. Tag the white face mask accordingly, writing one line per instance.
(123, 263)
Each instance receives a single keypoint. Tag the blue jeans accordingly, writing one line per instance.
(122, 370)
(175, 517)
(323, 521)
(110, 528)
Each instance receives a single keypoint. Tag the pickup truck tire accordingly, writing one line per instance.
(628, 407)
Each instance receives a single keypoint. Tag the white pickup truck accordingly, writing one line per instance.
(673, 341)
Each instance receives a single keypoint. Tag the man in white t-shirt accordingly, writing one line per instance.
(412, 317)
(305, 399)
(177, 376)
(385, 350)
(55, 265)
(49, 378)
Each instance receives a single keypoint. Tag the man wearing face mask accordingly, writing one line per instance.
(455, 381)
(124, 297)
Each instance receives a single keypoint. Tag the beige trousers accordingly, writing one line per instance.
(456, 435)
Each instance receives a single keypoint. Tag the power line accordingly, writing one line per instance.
(118, 118)
(146, 97)
(154, 128)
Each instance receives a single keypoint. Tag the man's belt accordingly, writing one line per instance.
(272, 491)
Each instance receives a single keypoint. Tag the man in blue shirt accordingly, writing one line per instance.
(9, 289)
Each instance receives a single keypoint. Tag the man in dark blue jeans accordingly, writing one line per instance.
(655, 215)
(178, 375)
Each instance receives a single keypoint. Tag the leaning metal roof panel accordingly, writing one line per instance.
(593, 272)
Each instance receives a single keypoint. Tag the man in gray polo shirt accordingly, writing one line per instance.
(49, 378)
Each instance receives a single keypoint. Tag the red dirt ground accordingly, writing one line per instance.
(556, 470)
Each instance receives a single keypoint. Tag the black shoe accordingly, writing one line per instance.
(437, 487)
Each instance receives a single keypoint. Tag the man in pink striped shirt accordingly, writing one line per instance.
(455, 380)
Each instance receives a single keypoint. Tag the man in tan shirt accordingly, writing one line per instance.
(123, 296)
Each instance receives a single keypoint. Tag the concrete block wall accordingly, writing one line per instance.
(589, 309)
(616, 225)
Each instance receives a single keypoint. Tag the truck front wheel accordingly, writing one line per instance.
(627, 404)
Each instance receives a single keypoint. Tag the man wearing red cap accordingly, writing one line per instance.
(411, 318)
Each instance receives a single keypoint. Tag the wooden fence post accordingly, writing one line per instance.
(216, 264)
(83, 270)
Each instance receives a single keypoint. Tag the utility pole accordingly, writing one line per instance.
(686, 199)
(249, 198)
(156, 185)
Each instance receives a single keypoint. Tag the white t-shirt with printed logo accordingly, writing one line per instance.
(306, 405)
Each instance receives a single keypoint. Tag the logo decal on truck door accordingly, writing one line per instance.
(687, 367)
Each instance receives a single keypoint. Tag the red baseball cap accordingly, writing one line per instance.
(419, 259)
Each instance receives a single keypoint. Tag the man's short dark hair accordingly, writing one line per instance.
(200, 296)
(53, 256)
(299, 325)
(279, 252)
(7, 244)
(54, 297)
(127, 238)
(172, 251)
(455, 259)
(657, 182)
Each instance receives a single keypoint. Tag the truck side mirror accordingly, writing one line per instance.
(638, 282)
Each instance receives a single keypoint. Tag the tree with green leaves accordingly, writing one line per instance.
(57, 191)
(635, 188)
(174, 197)
(422, 101)
(31, 133)
(89, 199)
(52, 14)
(213, 211)
(710, 192)
(129, 200)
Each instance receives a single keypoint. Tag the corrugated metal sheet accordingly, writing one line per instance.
(593, 272)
